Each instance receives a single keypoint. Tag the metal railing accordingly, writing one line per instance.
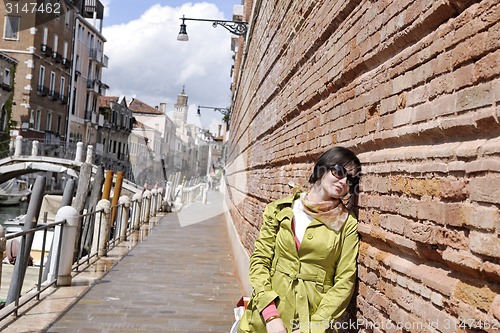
(99, 231)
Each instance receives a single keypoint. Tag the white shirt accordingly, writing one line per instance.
(300, 219)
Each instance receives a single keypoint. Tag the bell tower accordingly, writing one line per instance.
(181, 110)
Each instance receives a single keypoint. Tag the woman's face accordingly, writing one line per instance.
(334, 185)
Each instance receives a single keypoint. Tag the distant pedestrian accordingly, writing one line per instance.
(303, 267)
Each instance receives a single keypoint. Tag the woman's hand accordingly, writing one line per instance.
(276, 326)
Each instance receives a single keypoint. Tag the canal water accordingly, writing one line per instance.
(9, 212)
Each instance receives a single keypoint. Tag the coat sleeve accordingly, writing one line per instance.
(261, 260)
(336, 300)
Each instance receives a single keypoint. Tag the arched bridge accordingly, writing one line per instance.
(21, 163)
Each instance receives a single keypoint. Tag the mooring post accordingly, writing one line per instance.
(95, 196)
(90, 154)
(116, 195)
(79, 152)
(101, 228)
(30, 222)
(68, 243)
(136, 210)
(108, 182)
(125, 203)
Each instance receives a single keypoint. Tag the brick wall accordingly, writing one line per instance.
(414, 88)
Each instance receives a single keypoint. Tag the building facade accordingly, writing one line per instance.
(86, 86)
(412, 88)
(42, 46)
(114, 125)
(7, 79)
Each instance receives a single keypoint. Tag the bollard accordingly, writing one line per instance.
(136, 210)
(101, 228)
(3, 245)
(159, 200)
(154, 194)
(125, 202)
(90, 153)
(19, 146)
(79, 152)
(68, 243)
(146, 198)
(34, 148)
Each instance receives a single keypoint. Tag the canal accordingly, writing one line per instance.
(9, 212)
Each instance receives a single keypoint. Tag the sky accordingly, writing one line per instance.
(147, 62)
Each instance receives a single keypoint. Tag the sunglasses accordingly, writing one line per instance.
(338, 171)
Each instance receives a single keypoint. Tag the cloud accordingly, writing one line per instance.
(146, 60)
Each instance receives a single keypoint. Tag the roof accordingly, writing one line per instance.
(105, 101)
(138, 106)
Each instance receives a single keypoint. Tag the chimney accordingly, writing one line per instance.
(218, 130)
(163, 107)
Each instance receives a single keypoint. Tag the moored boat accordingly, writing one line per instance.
(13, 192)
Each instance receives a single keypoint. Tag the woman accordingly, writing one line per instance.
(303, 268)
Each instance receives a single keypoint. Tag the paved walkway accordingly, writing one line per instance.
(178, 279)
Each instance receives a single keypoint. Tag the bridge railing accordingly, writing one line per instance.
(76, 242)
(20, 146)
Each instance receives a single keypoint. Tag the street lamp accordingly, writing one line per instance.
(226, 112)
(235, 27)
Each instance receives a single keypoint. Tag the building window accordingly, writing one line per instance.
(41, 77)
(32, 118)
(52, 85)
(45, 35)
(61, 88)
(38, 119)
(49, 121)
(6, 77)
(11, 27)
(58, 129)
(56, 43)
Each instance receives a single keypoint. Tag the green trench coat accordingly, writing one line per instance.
(312, 285)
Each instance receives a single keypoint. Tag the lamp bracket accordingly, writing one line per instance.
(235, 27)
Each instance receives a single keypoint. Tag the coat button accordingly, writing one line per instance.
(319, 288)
(309, 236)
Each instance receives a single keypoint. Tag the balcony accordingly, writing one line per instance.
(93, 85)
(57, 57)
(47, 51)
(66, 63)
(63, 99)
(42, 91)
(52, 95)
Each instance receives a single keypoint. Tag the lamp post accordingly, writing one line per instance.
(235, 27)
(226, 112)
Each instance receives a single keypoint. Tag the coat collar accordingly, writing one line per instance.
(286, 212)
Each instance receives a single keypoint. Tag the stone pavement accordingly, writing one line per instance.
(178, 279)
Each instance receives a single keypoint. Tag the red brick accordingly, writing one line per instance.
(487, 67)
(474, 97)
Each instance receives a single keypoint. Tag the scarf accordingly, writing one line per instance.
(333, 214)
